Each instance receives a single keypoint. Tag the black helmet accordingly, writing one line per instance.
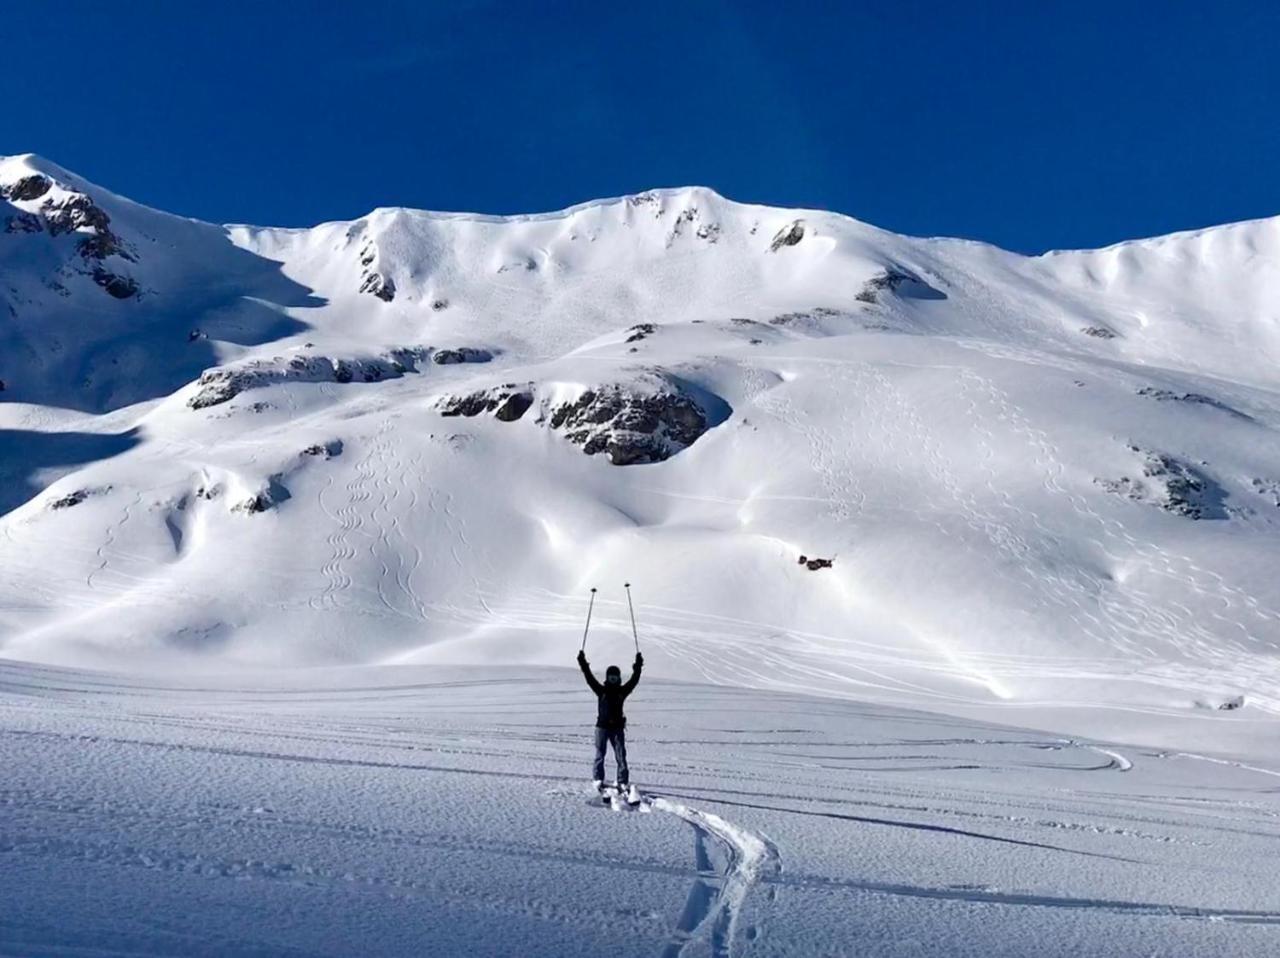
(613, 675)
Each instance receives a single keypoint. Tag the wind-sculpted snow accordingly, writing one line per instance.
(1042, 483)
(445, 811)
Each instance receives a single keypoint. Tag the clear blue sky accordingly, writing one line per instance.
(1032, 125)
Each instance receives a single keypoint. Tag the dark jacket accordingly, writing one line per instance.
(610, 697)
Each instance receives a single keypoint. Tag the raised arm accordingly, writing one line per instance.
(635, 675)
(586, 673)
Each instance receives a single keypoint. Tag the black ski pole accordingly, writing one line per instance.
(590, 606)
(632, 608)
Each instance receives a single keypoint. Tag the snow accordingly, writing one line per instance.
(1049, 488)
(447, 810)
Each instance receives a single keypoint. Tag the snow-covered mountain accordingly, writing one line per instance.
(421, 437)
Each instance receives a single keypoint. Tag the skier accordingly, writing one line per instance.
(610, 722)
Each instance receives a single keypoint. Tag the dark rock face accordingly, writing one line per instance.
(630, 427)
(463, 354)
(507, 403)
(121, 287)
(380, 286)
(1098, 332)
(813, 565)
(439, 304)
(1172, 485)
(329, 450)
(28, 188)
(641, 331)
(75, 212)
(648, 420)
(789, 235)
(70, 499)
(894, 279)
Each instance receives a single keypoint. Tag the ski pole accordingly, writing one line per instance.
(632, 608)
(590, 606)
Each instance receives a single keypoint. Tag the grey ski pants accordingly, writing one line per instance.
(618, 739)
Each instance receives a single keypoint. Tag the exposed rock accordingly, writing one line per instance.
(1270, 488)
(28, 188)
(439, 304)
(268, 498)
(380, 286)
(121, 287)
(513, 407)
(896, 280)
(225, 382)
(814, 564)
(1098, 332)
(641, 331)
(648, 419)
(1172, 485)
(508, 402)
(789, 235)
(75, 212)
(1231, 704)
(462, 354)
(330, 450)
(70, 499)
(21, 222)
(709, 232)
(631, 423)
(1165, 395)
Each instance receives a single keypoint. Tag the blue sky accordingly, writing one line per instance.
(1031, 125)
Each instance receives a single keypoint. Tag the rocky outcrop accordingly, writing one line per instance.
(895, 279)
(461, 354)
(1269, 489)
(814, 564)
(507, 403)
(789, 235)
(275, 493)
(26, 189)
(75, 497)
(1172, 485)
(328, 450)
(219, 385)
(121, 287)
(1195, 399)
(21, 222)
(647, 419)
(1098, 332)
(65, 214)
(380, 286)
(372, 280)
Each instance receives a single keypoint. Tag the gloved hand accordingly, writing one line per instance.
(639, 660)
(582, 656)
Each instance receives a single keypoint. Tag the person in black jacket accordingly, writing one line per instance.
(610, 722)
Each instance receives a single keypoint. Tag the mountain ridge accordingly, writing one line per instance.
(420, 437)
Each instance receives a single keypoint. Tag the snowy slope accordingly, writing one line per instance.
(442, 811)
(1045, 482)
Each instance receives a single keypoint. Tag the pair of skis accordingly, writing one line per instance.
(631, 608)
(618, 797)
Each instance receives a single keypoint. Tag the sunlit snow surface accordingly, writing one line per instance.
(1049, 488)
(445, 811)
